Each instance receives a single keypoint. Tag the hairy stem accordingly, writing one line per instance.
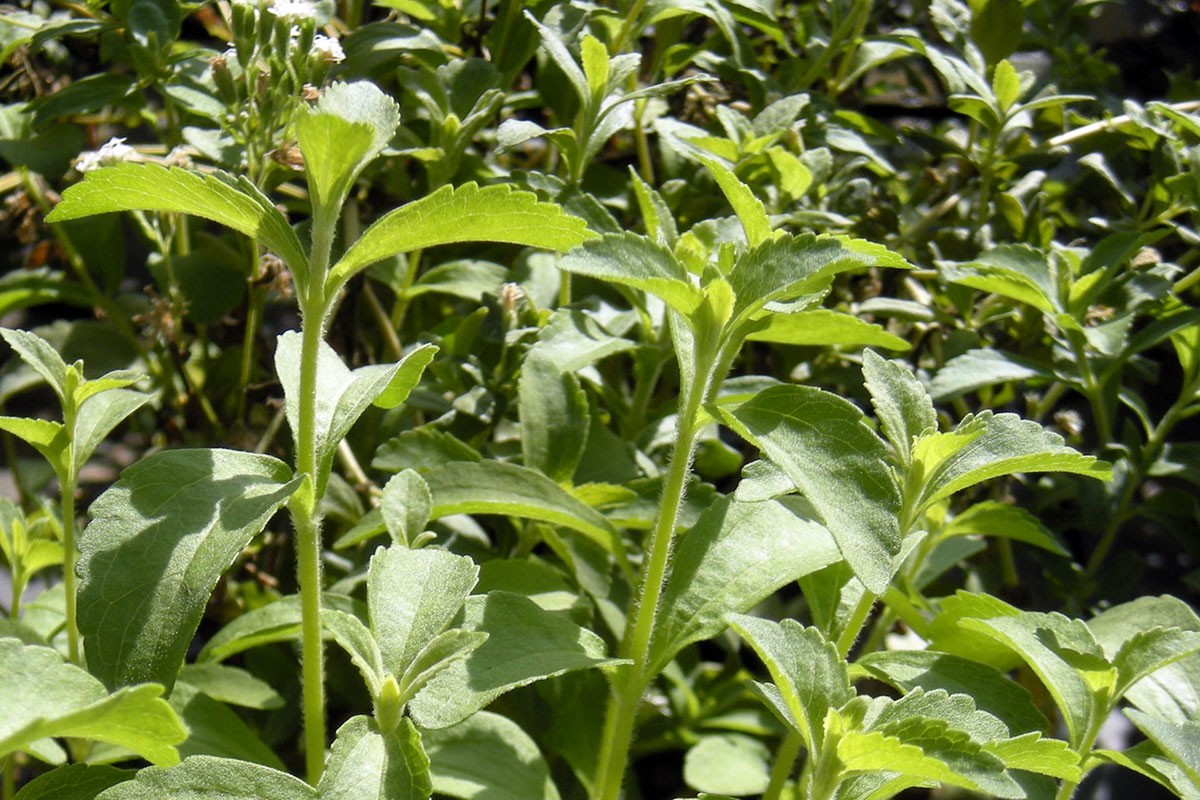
(784, 766)
(69, 587)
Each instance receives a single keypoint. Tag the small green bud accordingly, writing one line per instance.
(389, 709)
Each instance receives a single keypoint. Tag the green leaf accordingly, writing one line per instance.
(1150, 650)
(1032, 752)
(421, 449)
(214, 730)
(878, 752)
(46, 436)
(1179, 741)
(824, 445)
(231, 685)
(348, 127)
(562, 57)
(991, 689)
(73, 782)
(730, 763)
(821, 327)
(1171, 692)
(1147, 759)
(996, 27)
(735, 555)
(554, 418)
(946, 633)
(632, 260)
(275, 622)
(462, 214)
(808, 672)
(413, 595)
(749, 209)
(903, 406)
(37, 353)
(342, 394)
(594, 57)
(234, 203)
(976, 369)
(993, 518)
(804, 266)
(1016, 271)
(98, 416)
(1065, 657)
(1006, 84)
(1006, 445)
(406, 506)
(353, 636)
(525, 644)
(365, 762)
(445, 649)
(160, 538)
(487, 757)
(494, 487)
(212, 778)
(44, 697)
(656, 214)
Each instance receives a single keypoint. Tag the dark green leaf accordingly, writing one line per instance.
(487, 757)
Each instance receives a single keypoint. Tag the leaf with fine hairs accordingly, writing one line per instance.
(515, 770)
(366, 763)
(160, 538)
(211, 777)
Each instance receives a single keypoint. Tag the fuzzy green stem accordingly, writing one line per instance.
(631, 681)
(68, 526)
(308, 557)
(785, 764)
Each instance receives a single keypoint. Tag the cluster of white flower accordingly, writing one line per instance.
(328, 49)
(293, 9)
(111, 152)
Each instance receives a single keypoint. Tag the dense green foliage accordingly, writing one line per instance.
(586, 401)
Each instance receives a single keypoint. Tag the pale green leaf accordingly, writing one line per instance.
(73, 782)
(525, 644)
(730, 763)
(1171, 692)
(443, 650)
(421, 449)
(117, 379)
(976, 369)
(1179, 741)
(554, 416)
(1007, 445)
(1145, 758)
(632, 260)
(343, 394)
(562, 57)
(1150, 650)
(212, 778)
(656, 214)
(463, 214)
(413, 595)
(355, 638)
(878, 752)
(149, 187)
(791, 267)
(1006, 84)
(275, 622)
(808, 672)
(903, 406)
(494, 487)
(231, 685)
(345, 130)
(42, 697)
(214, 730)
(487, 757)
(98, 416)
(368, 764)
(37, 353)
(733, 557)
(749, 209)
(46, 436)
(160, 538)
(1016, 271)
(825, 446)
(1065, 657)
(406, 506)
(993, 518)
(594, 58)
(946, 634)
(1033, 752)
(821, 327)
(990, 688)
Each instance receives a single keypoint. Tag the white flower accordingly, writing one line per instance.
(293, 9)
(111, 152)
(328, 49)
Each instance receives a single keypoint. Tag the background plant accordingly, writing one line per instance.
(526, 506)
